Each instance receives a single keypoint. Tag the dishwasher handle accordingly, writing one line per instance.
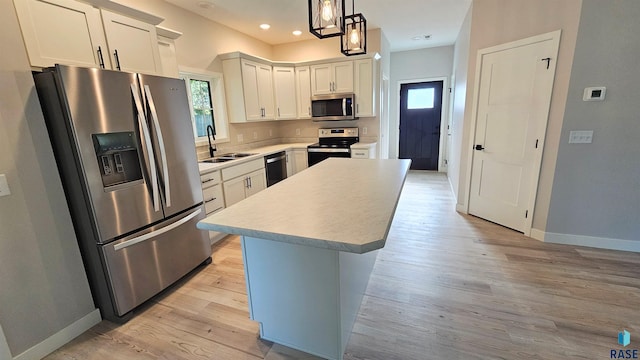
(270, 160)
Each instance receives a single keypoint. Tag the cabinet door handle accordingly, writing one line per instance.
(278, 112)
(309, 111)
(115, 56)
(357, 108)
(206, 181)
(100, 58)
(210, 200)
(250, 182)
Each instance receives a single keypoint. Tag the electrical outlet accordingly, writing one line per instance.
(581, 137)
(255, 134)
(4, 186)
(297, 131)
(240, 138)
(364, 131)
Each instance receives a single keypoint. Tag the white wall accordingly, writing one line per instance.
(43, 286)
(460, 64)
(596, 188)
(495, 22)
(413, 65)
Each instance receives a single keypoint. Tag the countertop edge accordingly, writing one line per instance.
(297, 240)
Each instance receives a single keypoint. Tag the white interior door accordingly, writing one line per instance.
(514, 93)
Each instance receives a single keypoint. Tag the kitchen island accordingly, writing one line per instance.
(309, 244)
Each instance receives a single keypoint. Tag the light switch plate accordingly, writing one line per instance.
(581, 137)
(4, 186)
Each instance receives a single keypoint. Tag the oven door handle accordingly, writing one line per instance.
(313, 150)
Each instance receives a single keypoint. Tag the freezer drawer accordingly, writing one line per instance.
(144, 264)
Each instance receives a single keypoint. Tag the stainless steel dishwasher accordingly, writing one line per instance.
(276, 167)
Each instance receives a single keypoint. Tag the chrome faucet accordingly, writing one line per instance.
(211, 133)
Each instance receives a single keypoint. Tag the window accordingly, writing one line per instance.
(206, 95)
(420, 98)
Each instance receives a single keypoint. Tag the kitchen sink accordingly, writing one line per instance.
(227, 157)
(216, 160)
(235, 155)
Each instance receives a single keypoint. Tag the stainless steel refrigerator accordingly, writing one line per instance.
(125, 150)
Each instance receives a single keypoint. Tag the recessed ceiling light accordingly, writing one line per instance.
(297, 32)
(206, 4)
(265, 26)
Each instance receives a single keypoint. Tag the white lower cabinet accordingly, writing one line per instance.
(300, 160)
(213, 198)
(291, 165)
(243, 180)
(363, 151)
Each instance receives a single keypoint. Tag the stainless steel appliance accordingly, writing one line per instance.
(334, 142)
(276, 167)
(124, 148)
(332, 107)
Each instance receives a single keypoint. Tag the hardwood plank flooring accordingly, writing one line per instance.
(445, 286)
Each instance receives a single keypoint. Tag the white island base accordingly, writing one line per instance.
(305, 297)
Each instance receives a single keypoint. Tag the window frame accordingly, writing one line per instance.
(218, 102)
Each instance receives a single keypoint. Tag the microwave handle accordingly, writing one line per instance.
(344, 106)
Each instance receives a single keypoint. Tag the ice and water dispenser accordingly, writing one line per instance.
(118, 158)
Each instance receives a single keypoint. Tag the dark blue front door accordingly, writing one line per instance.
(420, 115)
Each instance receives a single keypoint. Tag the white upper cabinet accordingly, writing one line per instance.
(258, 90)
(62, 32)
(76, 33)
(284, 85)
(167, 49)
(303, 91)
(133, 44)
(249, 90)
(364, 85)
(332, 78)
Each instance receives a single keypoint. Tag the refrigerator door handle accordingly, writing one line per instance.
(147, 140)
(147, 236)
(163, 152)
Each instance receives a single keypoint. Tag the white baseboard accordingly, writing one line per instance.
(5, 353)
(596, 242)
(461, 208)
(62, 337)
(537, 234)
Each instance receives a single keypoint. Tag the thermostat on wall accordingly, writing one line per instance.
(594, 93)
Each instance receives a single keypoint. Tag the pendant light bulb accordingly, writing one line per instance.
(354, 36)
(327, 10)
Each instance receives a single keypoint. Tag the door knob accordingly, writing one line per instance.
(479, 147)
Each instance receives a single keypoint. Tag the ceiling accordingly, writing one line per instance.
(404, 22)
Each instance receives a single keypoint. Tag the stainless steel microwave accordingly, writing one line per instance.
(333, 107)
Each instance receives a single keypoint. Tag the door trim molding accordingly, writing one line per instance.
(553, 36)
(443, 116)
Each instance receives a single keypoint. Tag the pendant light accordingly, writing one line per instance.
(354, 39)
(326, 18)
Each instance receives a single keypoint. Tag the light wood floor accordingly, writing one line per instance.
(446, 286)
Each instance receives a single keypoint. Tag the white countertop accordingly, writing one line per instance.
(364, 145)
(338, 204)
(259, 152)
